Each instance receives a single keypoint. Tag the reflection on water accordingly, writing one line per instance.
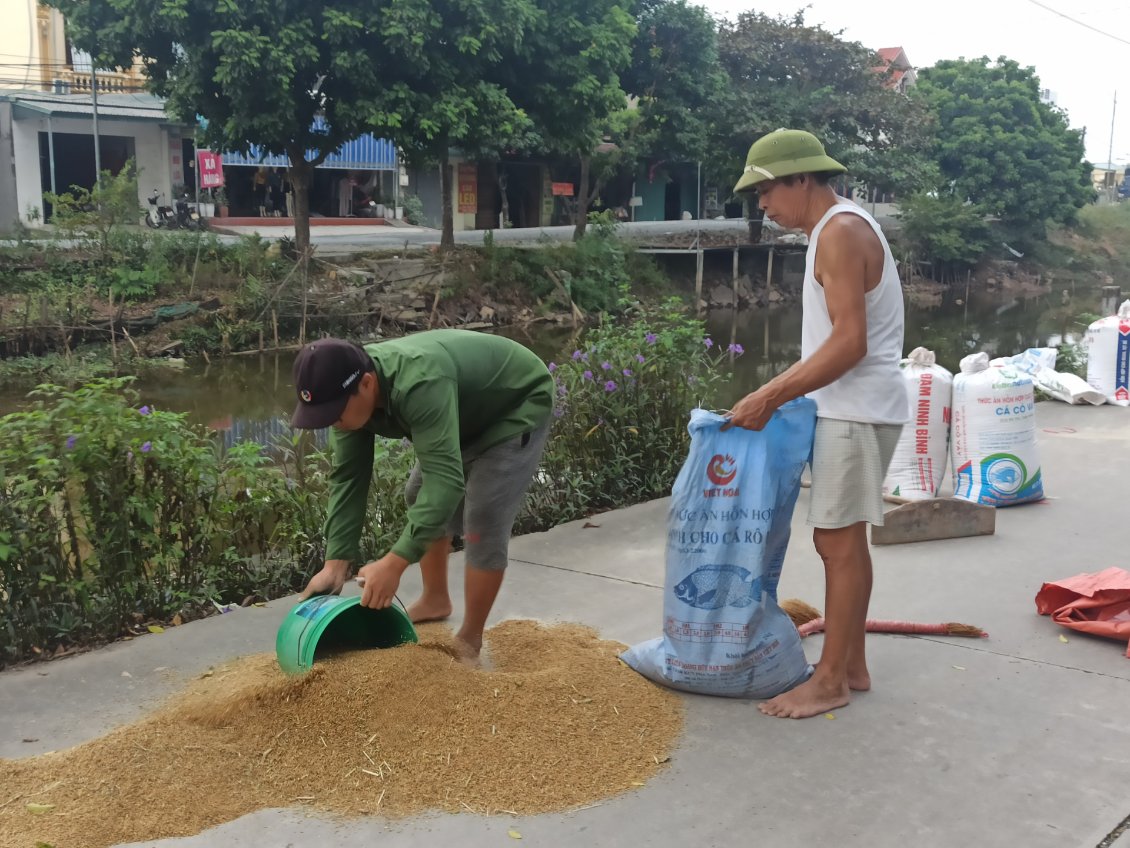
(998, 324)
(251, 398)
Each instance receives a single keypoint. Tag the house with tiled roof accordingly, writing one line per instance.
(894, 62)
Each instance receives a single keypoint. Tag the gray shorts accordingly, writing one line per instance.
(849, 461)
(495, 485)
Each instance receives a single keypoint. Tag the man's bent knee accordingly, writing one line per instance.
(839, 542)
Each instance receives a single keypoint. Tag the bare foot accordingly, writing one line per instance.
(810, 698)
(429, 609)
(467, 651)
(857, 681)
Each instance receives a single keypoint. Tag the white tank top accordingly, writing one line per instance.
(873, 390)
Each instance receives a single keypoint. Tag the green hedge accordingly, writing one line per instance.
(114, 515)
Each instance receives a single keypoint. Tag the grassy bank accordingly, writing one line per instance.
(116, 518)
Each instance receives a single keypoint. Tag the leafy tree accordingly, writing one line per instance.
(945, 231)
(259, 71)
(675, 77)
(445, 53)
(675, 81)
(566, 78)
(998, 145)
(784, 73)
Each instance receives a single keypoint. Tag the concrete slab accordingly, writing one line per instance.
(1020, 739)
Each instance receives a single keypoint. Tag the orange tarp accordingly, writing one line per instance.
(1098, 603)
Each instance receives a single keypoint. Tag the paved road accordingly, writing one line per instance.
(1021, 739)
(332, 240)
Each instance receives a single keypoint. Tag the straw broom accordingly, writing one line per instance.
(809, 620)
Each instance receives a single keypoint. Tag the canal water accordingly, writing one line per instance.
(250, 397)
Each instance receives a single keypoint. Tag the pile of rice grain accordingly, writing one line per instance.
(558, 722)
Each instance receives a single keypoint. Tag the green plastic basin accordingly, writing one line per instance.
(329, 621)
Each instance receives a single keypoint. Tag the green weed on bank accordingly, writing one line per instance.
(623, 400)
(115, 516)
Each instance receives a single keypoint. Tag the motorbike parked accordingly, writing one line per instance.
(159, 217)
(186, 216)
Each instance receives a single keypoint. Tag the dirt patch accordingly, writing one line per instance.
(558, 722)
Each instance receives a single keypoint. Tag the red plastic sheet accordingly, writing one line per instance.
(1097, 603)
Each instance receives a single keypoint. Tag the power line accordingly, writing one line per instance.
(1079, 22)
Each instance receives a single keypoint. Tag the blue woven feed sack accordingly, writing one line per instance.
(727, 532)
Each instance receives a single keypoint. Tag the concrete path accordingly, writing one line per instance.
(1018, 740)
(339, 240)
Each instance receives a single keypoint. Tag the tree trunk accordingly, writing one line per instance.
(581, 219)
(300, 179)
(447, 237)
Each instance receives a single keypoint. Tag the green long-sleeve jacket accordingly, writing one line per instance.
(449, 392)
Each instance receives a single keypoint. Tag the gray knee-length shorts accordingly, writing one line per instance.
(849, 461)
(495, 485)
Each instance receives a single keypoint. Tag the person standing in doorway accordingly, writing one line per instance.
(259, 187)
(275, 192)
(851, 344)
(477, 409)
(288, 190)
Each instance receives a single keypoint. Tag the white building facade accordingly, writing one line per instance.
(47, 144)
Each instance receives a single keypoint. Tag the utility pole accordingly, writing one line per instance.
(1113, 115)
(94, 105)
(1110, 149)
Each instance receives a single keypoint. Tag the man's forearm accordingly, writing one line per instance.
(349, 494)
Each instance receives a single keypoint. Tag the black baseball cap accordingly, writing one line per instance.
(326, 373)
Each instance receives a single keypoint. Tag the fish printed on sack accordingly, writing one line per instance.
(712, 587)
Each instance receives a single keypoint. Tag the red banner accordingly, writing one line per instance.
(563, 189)
(468, 187)
(209, 170)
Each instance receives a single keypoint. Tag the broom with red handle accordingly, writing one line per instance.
(808, 620)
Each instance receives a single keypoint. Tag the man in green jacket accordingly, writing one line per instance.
(477, 410)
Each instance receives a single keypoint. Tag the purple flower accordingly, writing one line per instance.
(577, 355)
(148, 446)
(607, 366)
(552, 367)
(587, 375)
(627, 372)
(558, 412)
(610, 386)
(144, 410)
(640, 359)
(562, 391)
(651, 338)
(71, 442)
(709, 342)
(736, 348)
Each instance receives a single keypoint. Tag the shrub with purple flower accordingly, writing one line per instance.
(622, 437)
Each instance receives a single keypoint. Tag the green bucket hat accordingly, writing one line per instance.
(784, 152)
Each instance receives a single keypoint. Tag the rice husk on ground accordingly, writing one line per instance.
(556, 723)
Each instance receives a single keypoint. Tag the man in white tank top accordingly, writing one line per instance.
(851, 344)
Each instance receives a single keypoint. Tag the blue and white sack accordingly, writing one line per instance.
(996, 460)
(727, 532)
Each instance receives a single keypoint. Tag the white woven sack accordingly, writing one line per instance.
(920, 458)
(1108, 356)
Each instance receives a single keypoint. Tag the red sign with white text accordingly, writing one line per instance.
(210, 173)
